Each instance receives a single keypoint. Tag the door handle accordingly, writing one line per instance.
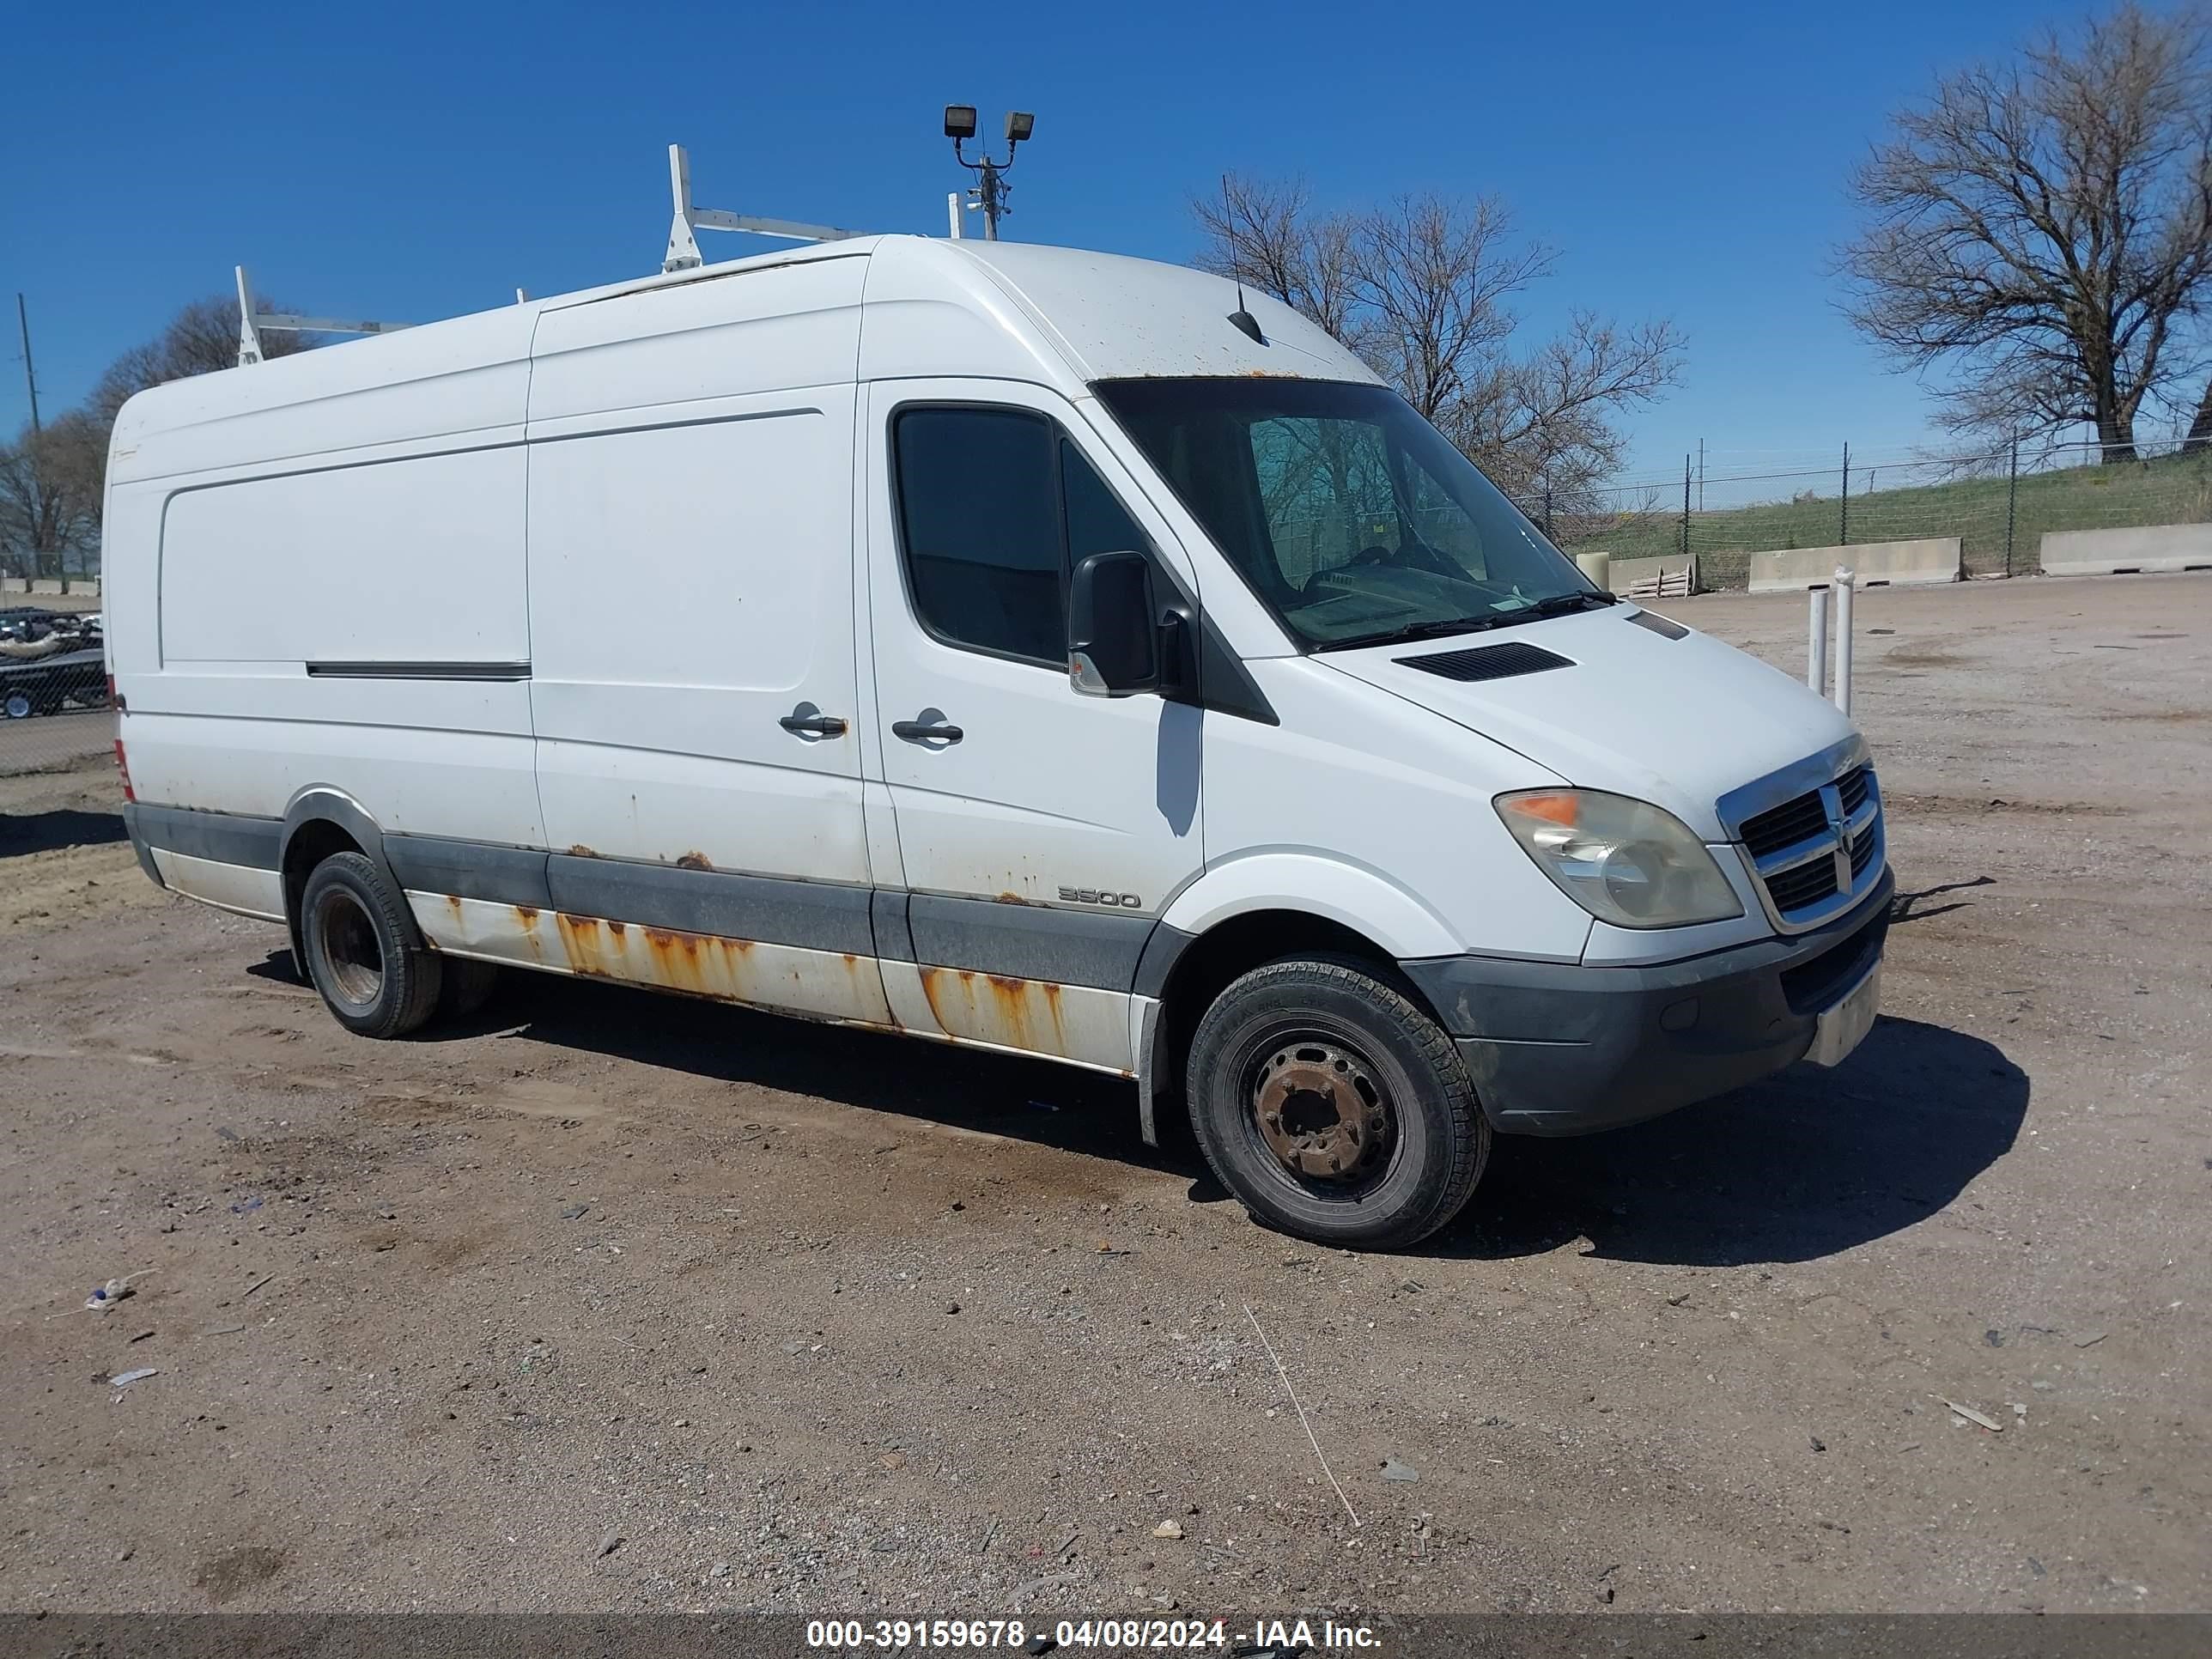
(926, 731)
(813, 726)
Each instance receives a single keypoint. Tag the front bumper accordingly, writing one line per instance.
(1558, 1048)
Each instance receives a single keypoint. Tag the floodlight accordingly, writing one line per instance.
(960, 120)
(1019, 124)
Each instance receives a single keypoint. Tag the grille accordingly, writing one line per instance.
(1488, 662)
(1861, 852)
(1793, 848)
(1785, 825)
(1808, 884)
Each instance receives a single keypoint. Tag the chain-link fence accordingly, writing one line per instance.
(53, 681)
(1999, 506)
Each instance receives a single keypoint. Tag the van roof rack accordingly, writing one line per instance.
(251, 323)
(683, 254)
(684, 246)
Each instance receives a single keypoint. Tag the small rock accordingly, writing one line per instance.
(574, 1212)
(952, 1307)
(1818, 1444)
(1995, 1338)
(720, 1570)
(609, 1541)
(1394, 1470)
(1168, 1529)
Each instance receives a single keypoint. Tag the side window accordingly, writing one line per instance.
(978, 507)
(994, 505)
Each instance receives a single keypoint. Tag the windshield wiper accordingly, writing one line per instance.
(1435, 629)
(1560, 605)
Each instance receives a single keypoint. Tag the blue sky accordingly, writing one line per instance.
(415, 161)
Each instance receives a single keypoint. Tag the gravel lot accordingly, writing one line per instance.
(611, 1301)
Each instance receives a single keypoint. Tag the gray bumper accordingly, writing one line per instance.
(1558, 1048)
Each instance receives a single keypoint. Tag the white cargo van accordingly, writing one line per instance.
(1013, 645)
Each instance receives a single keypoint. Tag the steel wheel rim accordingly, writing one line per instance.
(350, 951)
(1319, 1110)
(18, 706)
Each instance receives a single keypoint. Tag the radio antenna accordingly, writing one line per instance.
(1243, 320)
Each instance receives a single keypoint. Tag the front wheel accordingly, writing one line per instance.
(1334, 1107)
(18, 706)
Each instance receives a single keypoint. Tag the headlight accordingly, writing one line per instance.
(1625, 862)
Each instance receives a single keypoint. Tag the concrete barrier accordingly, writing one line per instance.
(15, 585)
(1878, 564)
(2149, 549)
(46, 585)
(88, 586)
(1670, 576)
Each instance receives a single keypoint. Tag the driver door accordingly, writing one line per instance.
(1041, 831)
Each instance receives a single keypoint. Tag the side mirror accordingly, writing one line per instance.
(1113, 627)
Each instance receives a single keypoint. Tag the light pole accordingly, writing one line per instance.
(991, 187)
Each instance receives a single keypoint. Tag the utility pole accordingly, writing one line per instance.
(30, 375)
(991, 186)
(1701, 475)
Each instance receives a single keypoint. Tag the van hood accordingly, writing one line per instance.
(1677, 722)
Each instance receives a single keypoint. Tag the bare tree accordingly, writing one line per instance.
(1421, 288)
(49, 486)
(2043, 229)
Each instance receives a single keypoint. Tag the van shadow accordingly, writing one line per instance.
(68, 826)
(1032, 1100)
(1805, 1164)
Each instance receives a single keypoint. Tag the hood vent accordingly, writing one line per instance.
(1664, 627)
(1488, 662)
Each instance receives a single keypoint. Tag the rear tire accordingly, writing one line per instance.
(1330, 1103)
(468, 985)
(359, 953)
(18, 706)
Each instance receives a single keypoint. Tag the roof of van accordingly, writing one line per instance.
(931, 306)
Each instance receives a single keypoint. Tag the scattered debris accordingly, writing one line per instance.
(2091, 1341)
(1818, 1444)
(1972, 1416)
(141, 1337)
(574, 1212)
(224, 1330)
(1301, 1410)
(255, 1285)
(609, 1541)
(1394, 1470)
(104, 1297)
(952, 1307)
(247, 1206)
(1168, 1529)
(1994, 1337)
(124, 1379)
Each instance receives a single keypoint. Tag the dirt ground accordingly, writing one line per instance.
(610, 1301)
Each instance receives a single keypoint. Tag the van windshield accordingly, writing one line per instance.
(1348, 513)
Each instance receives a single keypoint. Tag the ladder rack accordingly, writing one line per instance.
(683, 254)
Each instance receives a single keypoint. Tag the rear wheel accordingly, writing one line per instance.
(1334, 1108)
(467, 985)
(18, 706)
(359, 950)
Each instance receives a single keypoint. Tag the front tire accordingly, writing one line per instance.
(1330, 1103)
(359, 951)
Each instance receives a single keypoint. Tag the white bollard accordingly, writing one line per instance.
(1816, 643)
(1845, 579)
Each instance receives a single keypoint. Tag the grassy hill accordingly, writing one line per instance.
(2175, 489)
